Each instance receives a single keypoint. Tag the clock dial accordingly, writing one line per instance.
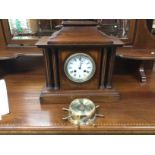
(79, 67)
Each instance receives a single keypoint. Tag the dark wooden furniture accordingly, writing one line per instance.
(78, 37)
(133, 114)
(142, 49)
(10, 47)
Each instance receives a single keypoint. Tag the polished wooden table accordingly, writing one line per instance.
(133, 114)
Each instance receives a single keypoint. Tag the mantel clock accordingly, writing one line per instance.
(79, 62)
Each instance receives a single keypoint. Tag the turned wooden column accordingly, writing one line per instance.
(104, 55)
(51, 65)
(110, 66)
(54, 60)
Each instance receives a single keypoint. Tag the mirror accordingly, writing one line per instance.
(115, 27)
(44, 27)
(151, 25)
(32, 27)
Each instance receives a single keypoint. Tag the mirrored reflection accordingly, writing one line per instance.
(19, 26)
(45, 27)
(32, 27)
(115, 27)
(153, 27)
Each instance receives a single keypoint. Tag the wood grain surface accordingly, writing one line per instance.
(134, 113)
(75, 36)
(136, 53)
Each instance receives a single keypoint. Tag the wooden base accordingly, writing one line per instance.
(66, 96)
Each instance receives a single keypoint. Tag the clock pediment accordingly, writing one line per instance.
(81, 35)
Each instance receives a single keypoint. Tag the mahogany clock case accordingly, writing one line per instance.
(78, 39)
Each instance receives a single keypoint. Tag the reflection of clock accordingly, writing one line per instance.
(79, 62)
(79, 67)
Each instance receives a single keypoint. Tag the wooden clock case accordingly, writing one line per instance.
(78, 37)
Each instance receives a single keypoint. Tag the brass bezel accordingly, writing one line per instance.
(82, 117)
(79, 80)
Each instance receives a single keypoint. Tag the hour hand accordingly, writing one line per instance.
(80, 64)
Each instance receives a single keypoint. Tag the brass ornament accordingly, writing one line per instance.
(81, 112)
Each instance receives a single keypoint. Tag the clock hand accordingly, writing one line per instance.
(80, 64)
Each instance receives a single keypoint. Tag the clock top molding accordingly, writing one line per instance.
(78, 23)
(79, 33)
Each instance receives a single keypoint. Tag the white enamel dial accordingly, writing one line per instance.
(79, 67)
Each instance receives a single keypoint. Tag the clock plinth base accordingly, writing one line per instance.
(66, 96)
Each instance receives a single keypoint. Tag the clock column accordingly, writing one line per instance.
(51, 68)
(107, 66)
(104, 57)
(110, 66)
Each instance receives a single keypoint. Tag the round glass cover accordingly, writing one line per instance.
(79, 67)
(82, 107)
